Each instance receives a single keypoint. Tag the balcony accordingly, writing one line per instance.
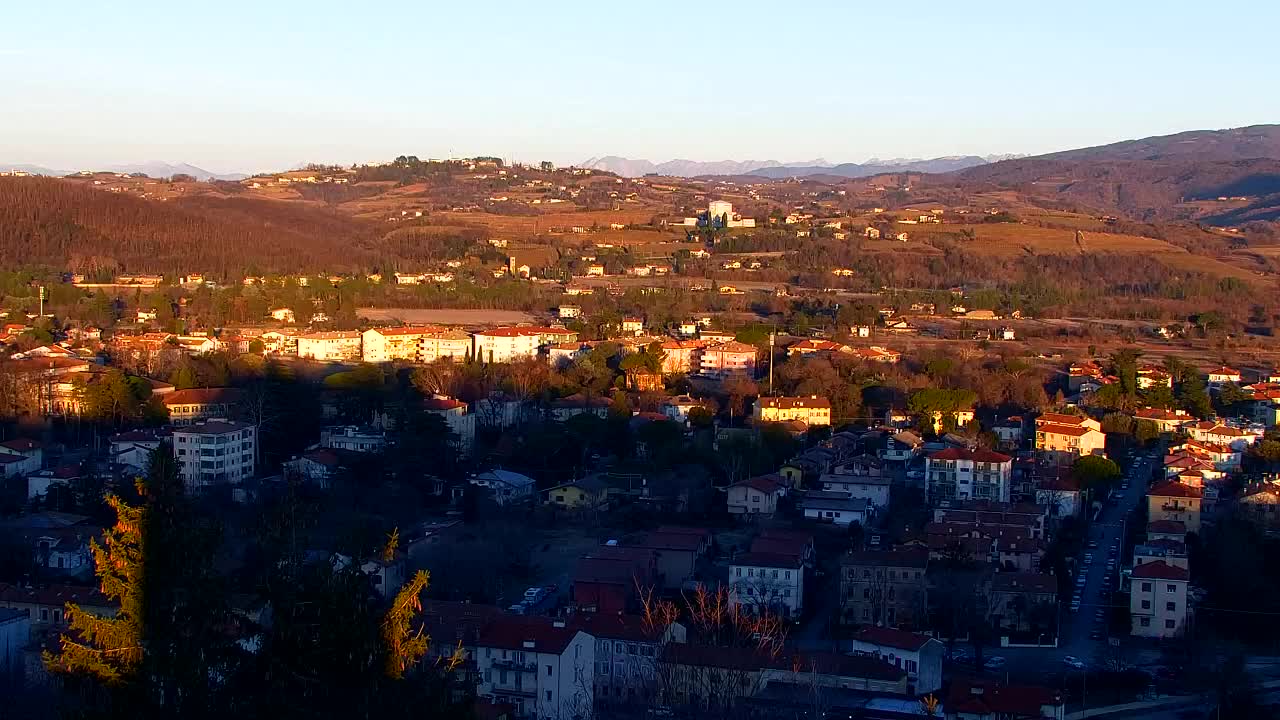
(525, 692)
(515, 665)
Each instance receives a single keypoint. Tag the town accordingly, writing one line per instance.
(668, 515)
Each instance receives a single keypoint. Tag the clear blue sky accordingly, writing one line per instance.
(239, 86)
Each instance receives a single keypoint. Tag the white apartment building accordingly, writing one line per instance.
(458, 416)
(333, 346)
(957, 474)
(767, 582)
(540, 666)
(505, 344)
(215, 452)
(1158, 603)
(872, 488)
(389, 344)
(627, 650)
(441, 344)
(727, 358)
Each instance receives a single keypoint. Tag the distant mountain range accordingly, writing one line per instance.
(628, 167)
(150, 169)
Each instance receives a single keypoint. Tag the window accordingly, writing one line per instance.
(866, 573)
(1171, 588)
(548, 696)
(1146, 604)
(631, 648)
(1145, 622)
(548, 671)
(893, 575)
(866, 613)
(1170, 624)
(1146, 587)
(739, 573)
(786, 593)
(1171, 606)
(775, 574)
(44, 614)
(751, 572)
(788, 575)
(911, 666)
(619, 648)
(866, 593)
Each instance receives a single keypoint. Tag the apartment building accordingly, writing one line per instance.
(626, 657)
(1177, 502)
(960, 474)
(351, 438)
(1065, 437)
(505, 344)
(919, 655)
(441, 344)
(541, 667)
(390, 344)
(189, 406)
(1158, 603)
(761, 582)
(812, 410)
(332, 346)
(215, 452)
(726, 358)
(887, 588)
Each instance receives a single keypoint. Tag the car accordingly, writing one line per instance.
(1124, 485)
(1072, 661)
(994, 663)
(1096, 635)
(1075, 607)
(1093, 544)
(1114, 551)
(1100, 615)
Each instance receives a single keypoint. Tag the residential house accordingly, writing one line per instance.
(1177, 502)
(755, 496)
(682, 356)
(21, 456)
(215, 452)
(919, 655)
(678, 551)
(15, 636)
(350, 438)
(902, 446)
(838, 508)
(589, 493)
(1261, 505)
(579, 404)
(980, 699)
(611, 578)
(1166, 420)
(189, 406)
(887, 588)
(1009, 432)
(1065, 437)
(1158, 602)
(457, 416)
(872, 488)
(505, 344)
(1219, 434)
(767, 583)
(380, 345)
(958, 474)
(810, 346)
(133, 449)
(541, 667)
(1223, 376)
(46, 605)
(507, 487)
(813, 410)
(1017, 596)
(677, 408)
(331, 346)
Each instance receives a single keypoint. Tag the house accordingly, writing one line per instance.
(813, 410)
(1158, 602)
(1065, 437)
(541, 667)
(919, 655)
(872, 488)
(505, 344)
(1014, 596)
(682, 356)
(579, 404)
(1175, 501)
(46, 605)
(59, 542)
(350, 438)
(755, 496)
(21, 456)
(215, 452)
(941, 419)
(678, 550)
(887, 588)
(901, 446)
(380, 345)
(331, 346)
(767, 583)
(838, 508)
(633, 326)
(588, 493)
(814, 346)
(1165, 420)
(458, 416)
(318, 466)
(1222, 376)
(677, 408)
(960, 474)
(626, 656)
(189, 406)
(720, 360)
(611, 578)
(507, 487)
(1166, 530)
(569, 312)
(133, 449)
(976, 699)
(1261, 505)
(39, 484)
(1219, 434)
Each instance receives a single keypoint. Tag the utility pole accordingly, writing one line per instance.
(771, 337)
(42, 294)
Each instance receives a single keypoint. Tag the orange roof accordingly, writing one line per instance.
(1160, 570)
(1170, 488)
(979, 455)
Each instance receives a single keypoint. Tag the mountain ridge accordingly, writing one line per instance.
(154, 168)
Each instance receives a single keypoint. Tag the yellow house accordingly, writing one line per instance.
(1175, 501)
(963, 418)
(813, 410)
(1069, 435)
(583, 494)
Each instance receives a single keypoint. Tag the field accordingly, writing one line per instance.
(443, 316)
(529, 225)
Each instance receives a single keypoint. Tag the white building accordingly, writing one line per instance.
(919, 655)
(627, 651)
(458, 416)
(215, 452)
(353, 439)
(874, 489)
(837, 508)
(1158, 605)
(332, 346)
(767, 582)
(508, 487)
(542, 667)
(512, 343)
(133, 449)
(959, 474)
(21, 456)
(15, 635)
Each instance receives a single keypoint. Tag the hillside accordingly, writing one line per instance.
(1245, 143)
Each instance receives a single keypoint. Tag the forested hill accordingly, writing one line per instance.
(51, 222)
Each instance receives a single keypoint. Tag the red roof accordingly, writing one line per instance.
(524, 331)
(1070, 430)
(1160, 570)
(632, 628)
(979, 455)
(1170, 488)
(58, 595)
(1167, 527)
(779, 546)
(671, 541)
(21, 445)
(1060, 419)
(770, 560)
(763, 483)
(889, 637)
(985, 697)
(512, 632)
(203, 396)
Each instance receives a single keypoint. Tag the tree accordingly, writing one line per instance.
(1095, 471)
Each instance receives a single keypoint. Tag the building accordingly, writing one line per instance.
(1015, 596)
(507, 487)
(350, 438)
(767, 583)
(1165, 420)
(678, 550)
(46, 605)
(442, 344)
(188, 406)
(541, 667)
(812, 410)
(588, 493)
(837, 508)
(754, 496)
(133, 449)
(720, 360)
(389, 344)
(886, 588)
(611, 579)
(21, 456)
(975, 699)
(1158, 603)
(458, 416)
(919, 655)
(215, 452)
(569, 312)
(959, 474)
(1223, 376)
(15, 635)
(872, 488)
(720, 214)
(1175, 501)
(626, 657)
(632, 326)
(331, 346)
(1066, 437)
(506, 344)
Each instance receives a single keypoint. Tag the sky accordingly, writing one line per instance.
(236, 86)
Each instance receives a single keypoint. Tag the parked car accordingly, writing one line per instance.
(994, 663)
(1073, 661)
